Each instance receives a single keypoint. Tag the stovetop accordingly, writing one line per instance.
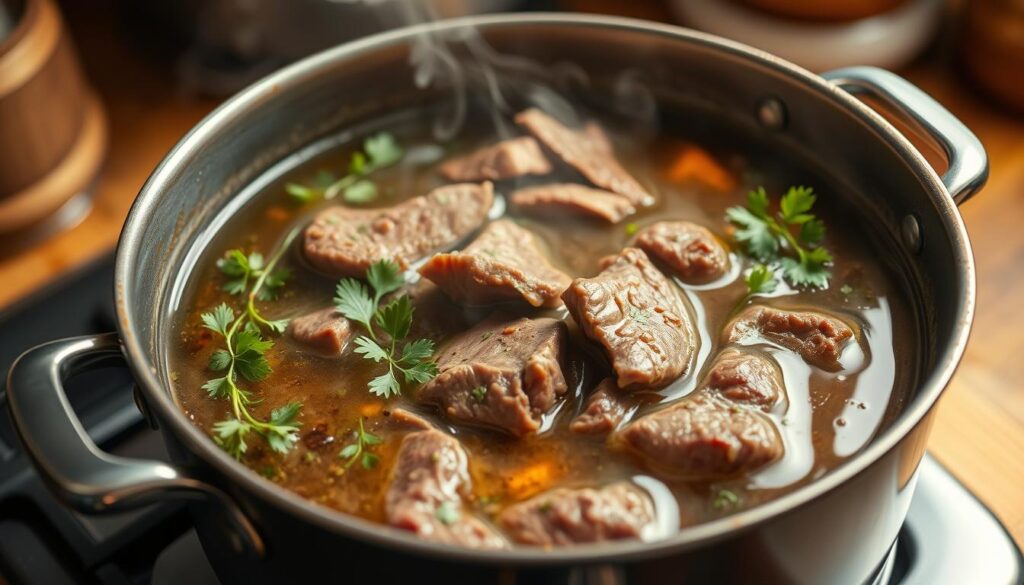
(949, 537)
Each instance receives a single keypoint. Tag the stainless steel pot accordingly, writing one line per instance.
(835, 530)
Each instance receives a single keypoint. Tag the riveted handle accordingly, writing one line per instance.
(82, 475)
(967, 162)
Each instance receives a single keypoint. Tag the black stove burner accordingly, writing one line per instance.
(949, 537)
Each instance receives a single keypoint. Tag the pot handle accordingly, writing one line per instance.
(968, 163)
(86, 478)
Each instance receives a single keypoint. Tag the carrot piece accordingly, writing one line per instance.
(370, 409)
(277, 213)
(530, 480)
(694, 163)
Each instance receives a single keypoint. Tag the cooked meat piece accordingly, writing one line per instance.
(703, 437)
(817, 337)
(604, 410)
(343, 241)
(410, 419)
(573, 199)
(563, 516)
(428, 481)
(504, 160)
(635, 314)
(750, 378)
(501, 374)
(588, 151)
(505, 263)
(691, 251)
(326, 331)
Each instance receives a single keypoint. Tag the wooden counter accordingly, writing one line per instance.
(979, 433)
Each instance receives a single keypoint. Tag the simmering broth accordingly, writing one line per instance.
(826, 416)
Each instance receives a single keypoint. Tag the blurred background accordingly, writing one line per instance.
(93, 93)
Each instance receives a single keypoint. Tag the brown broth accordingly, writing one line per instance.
(827, 417)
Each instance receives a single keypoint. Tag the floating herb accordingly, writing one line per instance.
(771, 238)
(725, 499)
(760, 280)
(358, 450)
(244, 356)
(448, 513)
(394, 320)
(379, 151)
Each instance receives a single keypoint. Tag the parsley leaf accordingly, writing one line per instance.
(385, 385)
(361, 191)
(791, 238)
(382, 150)
(369, 349)
(395, 318)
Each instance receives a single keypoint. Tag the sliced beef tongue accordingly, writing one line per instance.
(505, 160)
(564, 516)
(635, 314)
(343, 241)
(703, 437)
(746, 377)
(428, 482)
(572, 199)
(689, 250)
(502, 374)
(588, 151)
(326, 331)
(818, 338)
(504, 264)
(604, 410)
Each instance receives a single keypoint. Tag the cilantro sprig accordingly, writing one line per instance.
(760, 280)
(359, 450)
(791, 238)
(379, 151)
(243, 269)
(394, 320)
(244, 358)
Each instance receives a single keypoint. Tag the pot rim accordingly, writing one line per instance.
(158, 398)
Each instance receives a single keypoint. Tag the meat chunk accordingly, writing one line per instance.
(703, 437)
(817, 337)
(501, 374)
(327, 331)
(505, 263)
(410, 419)
(428, 481)
(572, 199)
(505, 160)
(604, 410)
(635, 314)
(588, 151)
(563, 516)
(343, 241)
(691, 251)
(746, 378)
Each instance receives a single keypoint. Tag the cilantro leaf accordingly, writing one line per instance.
(420, 373)
(230, 435)
(795, 205)
(361, 191)
(385, 385)
(219, 360)
(754, 232)
(301, 193)
(382, 150)
(395, 318)
(354, 302)
(417, 351)
(792, 239)
(760, 280)
(370, 460)
(364, 440)
(219, 319)
(357, 165)
(369, 349)
(217, 387)
(385, 277)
